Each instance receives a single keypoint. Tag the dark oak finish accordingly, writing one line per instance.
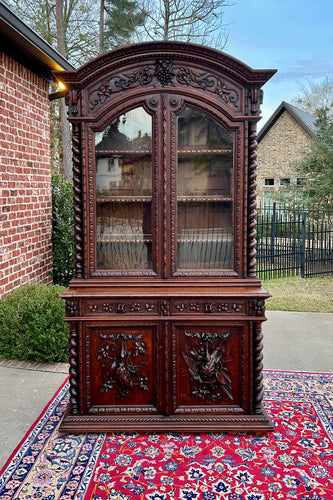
(165, 309)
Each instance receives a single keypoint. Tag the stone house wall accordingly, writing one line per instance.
(284, 143)
(25, 177)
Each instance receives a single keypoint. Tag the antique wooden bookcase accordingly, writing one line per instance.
(165, 309)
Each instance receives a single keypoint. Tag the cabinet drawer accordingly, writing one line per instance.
(128, 307)
(208, 306)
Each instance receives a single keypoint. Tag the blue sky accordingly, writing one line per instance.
(293, 36)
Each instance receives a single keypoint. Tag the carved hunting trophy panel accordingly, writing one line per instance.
(165, 309)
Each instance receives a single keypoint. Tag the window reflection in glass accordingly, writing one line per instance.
(124, 192)
(204, 193)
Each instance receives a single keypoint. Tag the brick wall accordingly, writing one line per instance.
(25, 177)
(283, 144)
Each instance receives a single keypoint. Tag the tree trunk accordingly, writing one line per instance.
(66, 143)
(166, 19)
(61, 44)
(101, 28)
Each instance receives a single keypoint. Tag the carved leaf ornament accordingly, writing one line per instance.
(206, 365)
(164, 73)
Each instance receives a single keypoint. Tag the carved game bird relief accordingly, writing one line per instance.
(119, 370)
(206, 365)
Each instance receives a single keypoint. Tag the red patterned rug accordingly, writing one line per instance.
(293, 461)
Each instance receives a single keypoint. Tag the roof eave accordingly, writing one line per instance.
(27, 47)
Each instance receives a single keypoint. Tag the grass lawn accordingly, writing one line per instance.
(300, 294)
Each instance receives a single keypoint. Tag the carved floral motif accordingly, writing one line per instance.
(121, 308)
(258, 307)
(72, 307)
(209, 307)
(207, 366)
(119, 371)
(164, 73)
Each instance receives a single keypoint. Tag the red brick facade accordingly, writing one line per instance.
(25, 177)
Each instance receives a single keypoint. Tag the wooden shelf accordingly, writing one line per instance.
(204, 151)
(124, 199)
(121, 239)
(107, 152)
(203, 199)
(180, 199)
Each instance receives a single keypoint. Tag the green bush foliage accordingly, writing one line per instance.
(32, 324)
(63, 230)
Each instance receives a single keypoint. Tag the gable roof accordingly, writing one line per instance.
(25, 46)
(306, 121)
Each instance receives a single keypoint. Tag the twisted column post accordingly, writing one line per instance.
(258, 367)
(77, 188)
(252, 204)
(73, 369)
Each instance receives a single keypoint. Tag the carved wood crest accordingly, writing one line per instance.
(164, 73)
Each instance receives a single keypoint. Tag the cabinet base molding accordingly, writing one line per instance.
(257, 423)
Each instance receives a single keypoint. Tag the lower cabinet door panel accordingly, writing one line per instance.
(121, 374)
(167, 375)
(210, 365)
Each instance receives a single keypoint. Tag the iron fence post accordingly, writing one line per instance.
(273, 234)
(303, 245)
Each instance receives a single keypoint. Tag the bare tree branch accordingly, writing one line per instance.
(185, 20)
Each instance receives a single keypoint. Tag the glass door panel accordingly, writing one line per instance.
(204, 193)
(124, 192)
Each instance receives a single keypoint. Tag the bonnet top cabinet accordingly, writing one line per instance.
(165, 309)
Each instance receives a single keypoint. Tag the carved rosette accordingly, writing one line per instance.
(258, 307)
(164, 73)
(77, 188)
(72, 307)
(252, 207)
(73, 369)
(258, 368)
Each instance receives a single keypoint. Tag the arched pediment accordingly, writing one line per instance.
(156, 67)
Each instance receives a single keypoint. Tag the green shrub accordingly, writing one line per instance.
(63, 230)
(32, 324)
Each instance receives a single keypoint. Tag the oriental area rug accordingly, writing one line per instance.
(293, 461)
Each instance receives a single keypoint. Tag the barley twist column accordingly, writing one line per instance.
(252, 207)
(258, 367)
(77, 188)
(73, 369)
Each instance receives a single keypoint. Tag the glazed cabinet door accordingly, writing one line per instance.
(204, 189)
(122, 370)
(125, 238)
(210, 367)
(164, 191)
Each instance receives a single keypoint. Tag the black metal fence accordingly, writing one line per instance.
(294, 241)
